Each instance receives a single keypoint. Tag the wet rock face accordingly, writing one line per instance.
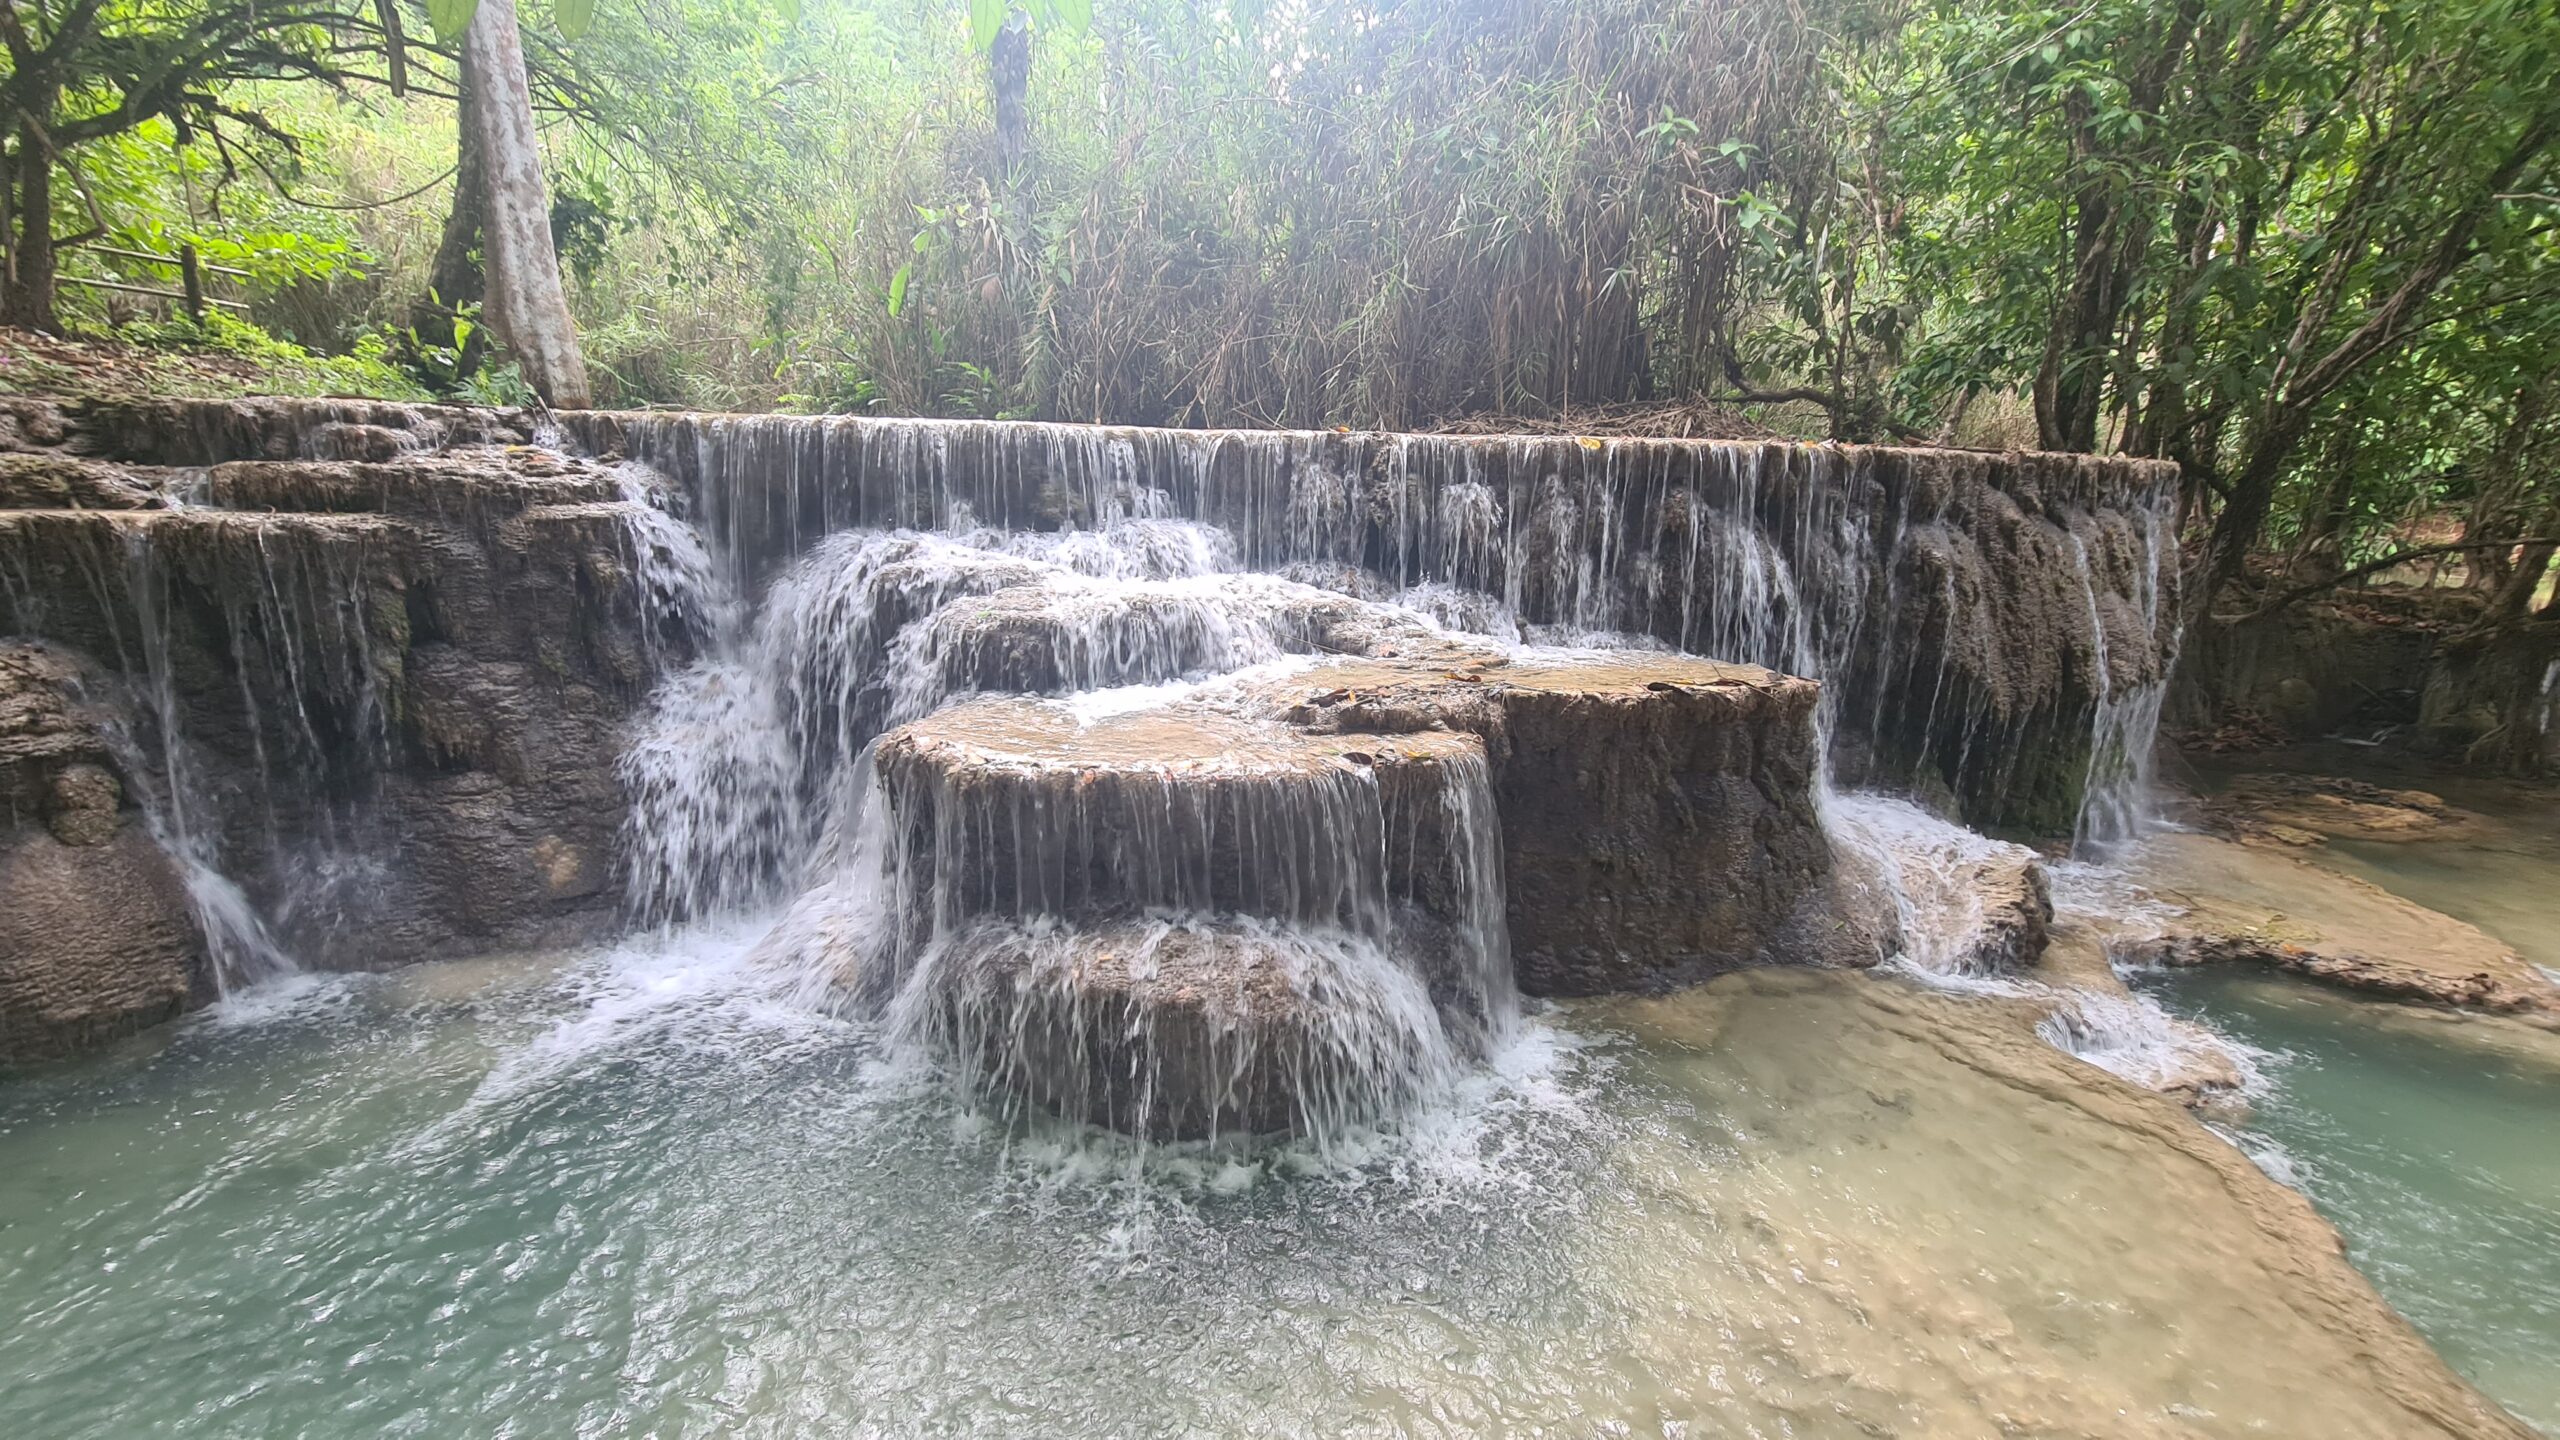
(398, 645)
(1658, 814)
(96, 937)
(1252, 907)
(1974, 617)
(2261, 903)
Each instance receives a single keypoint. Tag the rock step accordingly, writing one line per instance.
(1285, 898)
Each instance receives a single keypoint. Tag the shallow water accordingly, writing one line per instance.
(642, 1193)
(2433, 1144)
(2500, 877)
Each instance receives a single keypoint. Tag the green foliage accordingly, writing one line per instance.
(452, 17)
(259, 363)
(986, 17)
(2278, 240)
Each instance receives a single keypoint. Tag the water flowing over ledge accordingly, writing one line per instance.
(1993, 628)
(466, 686)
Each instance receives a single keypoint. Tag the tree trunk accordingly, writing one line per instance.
(2497, 508)
(27, 293)
(2515, 598)
(454, 280)
(2253, 493)
(2071, 381)
(2321, 555)
(525, 305)
(1009, 82)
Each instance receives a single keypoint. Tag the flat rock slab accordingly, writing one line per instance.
(2293, 809)
(2261, 904)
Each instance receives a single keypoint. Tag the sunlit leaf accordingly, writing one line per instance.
(1076, 16)
(898, 288)
(573, 16)
(451, 17)
(986, 17)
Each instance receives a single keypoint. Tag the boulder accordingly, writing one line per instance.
(97, 938)
(96, 941)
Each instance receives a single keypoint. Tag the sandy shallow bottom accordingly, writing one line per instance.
(642, 1193)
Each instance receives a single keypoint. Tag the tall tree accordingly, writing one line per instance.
(526, 305)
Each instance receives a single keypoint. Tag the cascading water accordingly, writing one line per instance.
(300, 631)
(901, 567)
(1186, 871)
(2116, 795)
(237, 941)
(753, 779)
(1907, 581)
(1285, 946)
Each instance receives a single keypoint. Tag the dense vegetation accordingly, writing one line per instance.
(2308, 248)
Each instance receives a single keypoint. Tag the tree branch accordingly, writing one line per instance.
(2373, 567)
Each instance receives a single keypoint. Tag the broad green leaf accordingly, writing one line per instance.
(451, 17)
(790, 12)
(1075, 15)
(986, 17)
(573, 16)
(898, 288)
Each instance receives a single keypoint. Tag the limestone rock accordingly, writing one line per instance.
(1961, 605)
(1228, 911)
(83, 805)
(96, 934)
(1176, 1029)
(399, 642)
(2240, 902)
(1658, 814)
(96, 941)
(53, 481)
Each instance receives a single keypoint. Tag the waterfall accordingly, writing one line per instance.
(1912, 583)
(871, 629)
(2124, 723)
(1352, 960)
(1017, 912)
(1933, 870)
(238, 943)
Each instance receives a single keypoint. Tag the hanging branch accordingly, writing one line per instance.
(2373, 567)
